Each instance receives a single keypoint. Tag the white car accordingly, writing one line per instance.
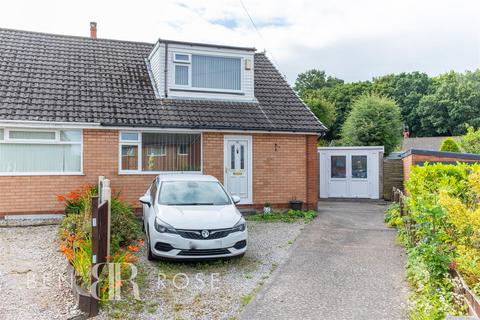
(191, 216)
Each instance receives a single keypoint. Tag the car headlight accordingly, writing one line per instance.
(163, 227)
(239, 226)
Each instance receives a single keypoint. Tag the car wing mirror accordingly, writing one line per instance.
(145, 200)
(236, 199)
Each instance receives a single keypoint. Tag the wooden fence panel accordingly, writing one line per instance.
(99, 246)
(392, 177)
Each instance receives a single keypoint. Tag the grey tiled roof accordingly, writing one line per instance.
(45, 77)
(425, 143)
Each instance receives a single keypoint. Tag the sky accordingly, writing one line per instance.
(349, 39)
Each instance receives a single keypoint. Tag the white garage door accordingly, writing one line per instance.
(350, 172)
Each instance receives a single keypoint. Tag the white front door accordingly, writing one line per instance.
(238, 167)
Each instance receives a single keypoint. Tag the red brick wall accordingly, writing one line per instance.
(280, 166)
(279, 175)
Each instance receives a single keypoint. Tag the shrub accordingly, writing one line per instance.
(449, 145)
(373, 121)
(392, 216)
(125, 227)
(470, 142)
(289, 216)
(441, 229)
(323, 109)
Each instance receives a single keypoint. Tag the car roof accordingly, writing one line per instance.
(186, 177)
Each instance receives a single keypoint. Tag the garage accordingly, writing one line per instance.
(350, 172)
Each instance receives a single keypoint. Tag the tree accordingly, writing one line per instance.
(407, 89)
(314, 79)
(470, 142)
(454, 102)
(449, 145)
(323, 109)
(342, 95)
(373, 121)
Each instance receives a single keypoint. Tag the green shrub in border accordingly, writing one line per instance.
(429, 244)
(449, 145)
(289, 216)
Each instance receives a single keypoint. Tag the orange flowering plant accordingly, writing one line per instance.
(78, 201)
(124, 258)
(75, 234)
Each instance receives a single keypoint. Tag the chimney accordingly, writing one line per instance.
(406, 132)
(93, 30)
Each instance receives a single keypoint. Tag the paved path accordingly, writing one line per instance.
(345, 265)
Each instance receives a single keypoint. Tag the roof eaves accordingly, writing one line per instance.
(210, 45)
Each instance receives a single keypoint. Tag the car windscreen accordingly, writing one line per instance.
(192, 193)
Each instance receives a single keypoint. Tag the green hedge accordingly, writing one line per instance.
(440, 197)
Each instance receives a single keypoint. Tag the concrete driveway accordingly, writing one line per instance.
(345, 265)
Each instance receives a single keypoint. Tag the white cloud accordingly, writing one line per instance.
(350, 39)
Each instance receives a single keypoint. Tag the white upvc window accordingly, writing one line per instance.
(41, 151)
(207, 72)
(157, 152)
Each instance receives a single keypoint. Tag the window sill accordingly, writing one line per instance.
(239, 93)
(33, 174)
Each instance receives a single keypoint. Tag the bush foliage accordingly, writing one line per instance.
(470, 142)
(440, 231)
(289, 216)
(449, 145)
(373, 121)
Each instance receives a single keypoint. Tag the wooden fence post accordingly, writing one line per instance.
(94, 305)
(105, 194)
(99, 248)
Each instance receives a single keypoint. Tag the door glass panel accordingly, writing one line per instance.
(359, 167)
(338, 166)
(242, 157)
(232, 157)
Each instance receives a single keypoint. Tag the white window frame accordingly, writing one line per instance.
(56, 141)
(140, 153)
(189, 87)
(184, 63)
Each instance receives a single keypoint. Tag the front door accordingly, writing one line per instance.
(238, 175)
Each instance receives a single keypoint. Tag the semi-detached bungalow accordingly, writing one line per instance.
(75, 108)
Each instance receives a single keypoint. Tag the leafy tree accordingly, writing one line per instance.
(407, 89)
(373, 121)
(322, 108)
(470, 142)
(450, 145)
(342, 95)
(312, 80)
(454, 102)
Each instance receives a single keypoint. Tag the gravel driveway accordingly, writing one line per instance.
(33, 282)
(209, 290)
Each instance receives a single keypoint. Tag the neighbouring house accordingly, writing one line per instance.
(74, 108)
(416, 157)
(424, 143)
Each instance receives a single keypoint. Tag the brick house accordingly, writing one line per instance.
(75, 108)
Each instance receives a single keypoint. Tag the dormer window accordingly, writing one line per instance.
(208, 72)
